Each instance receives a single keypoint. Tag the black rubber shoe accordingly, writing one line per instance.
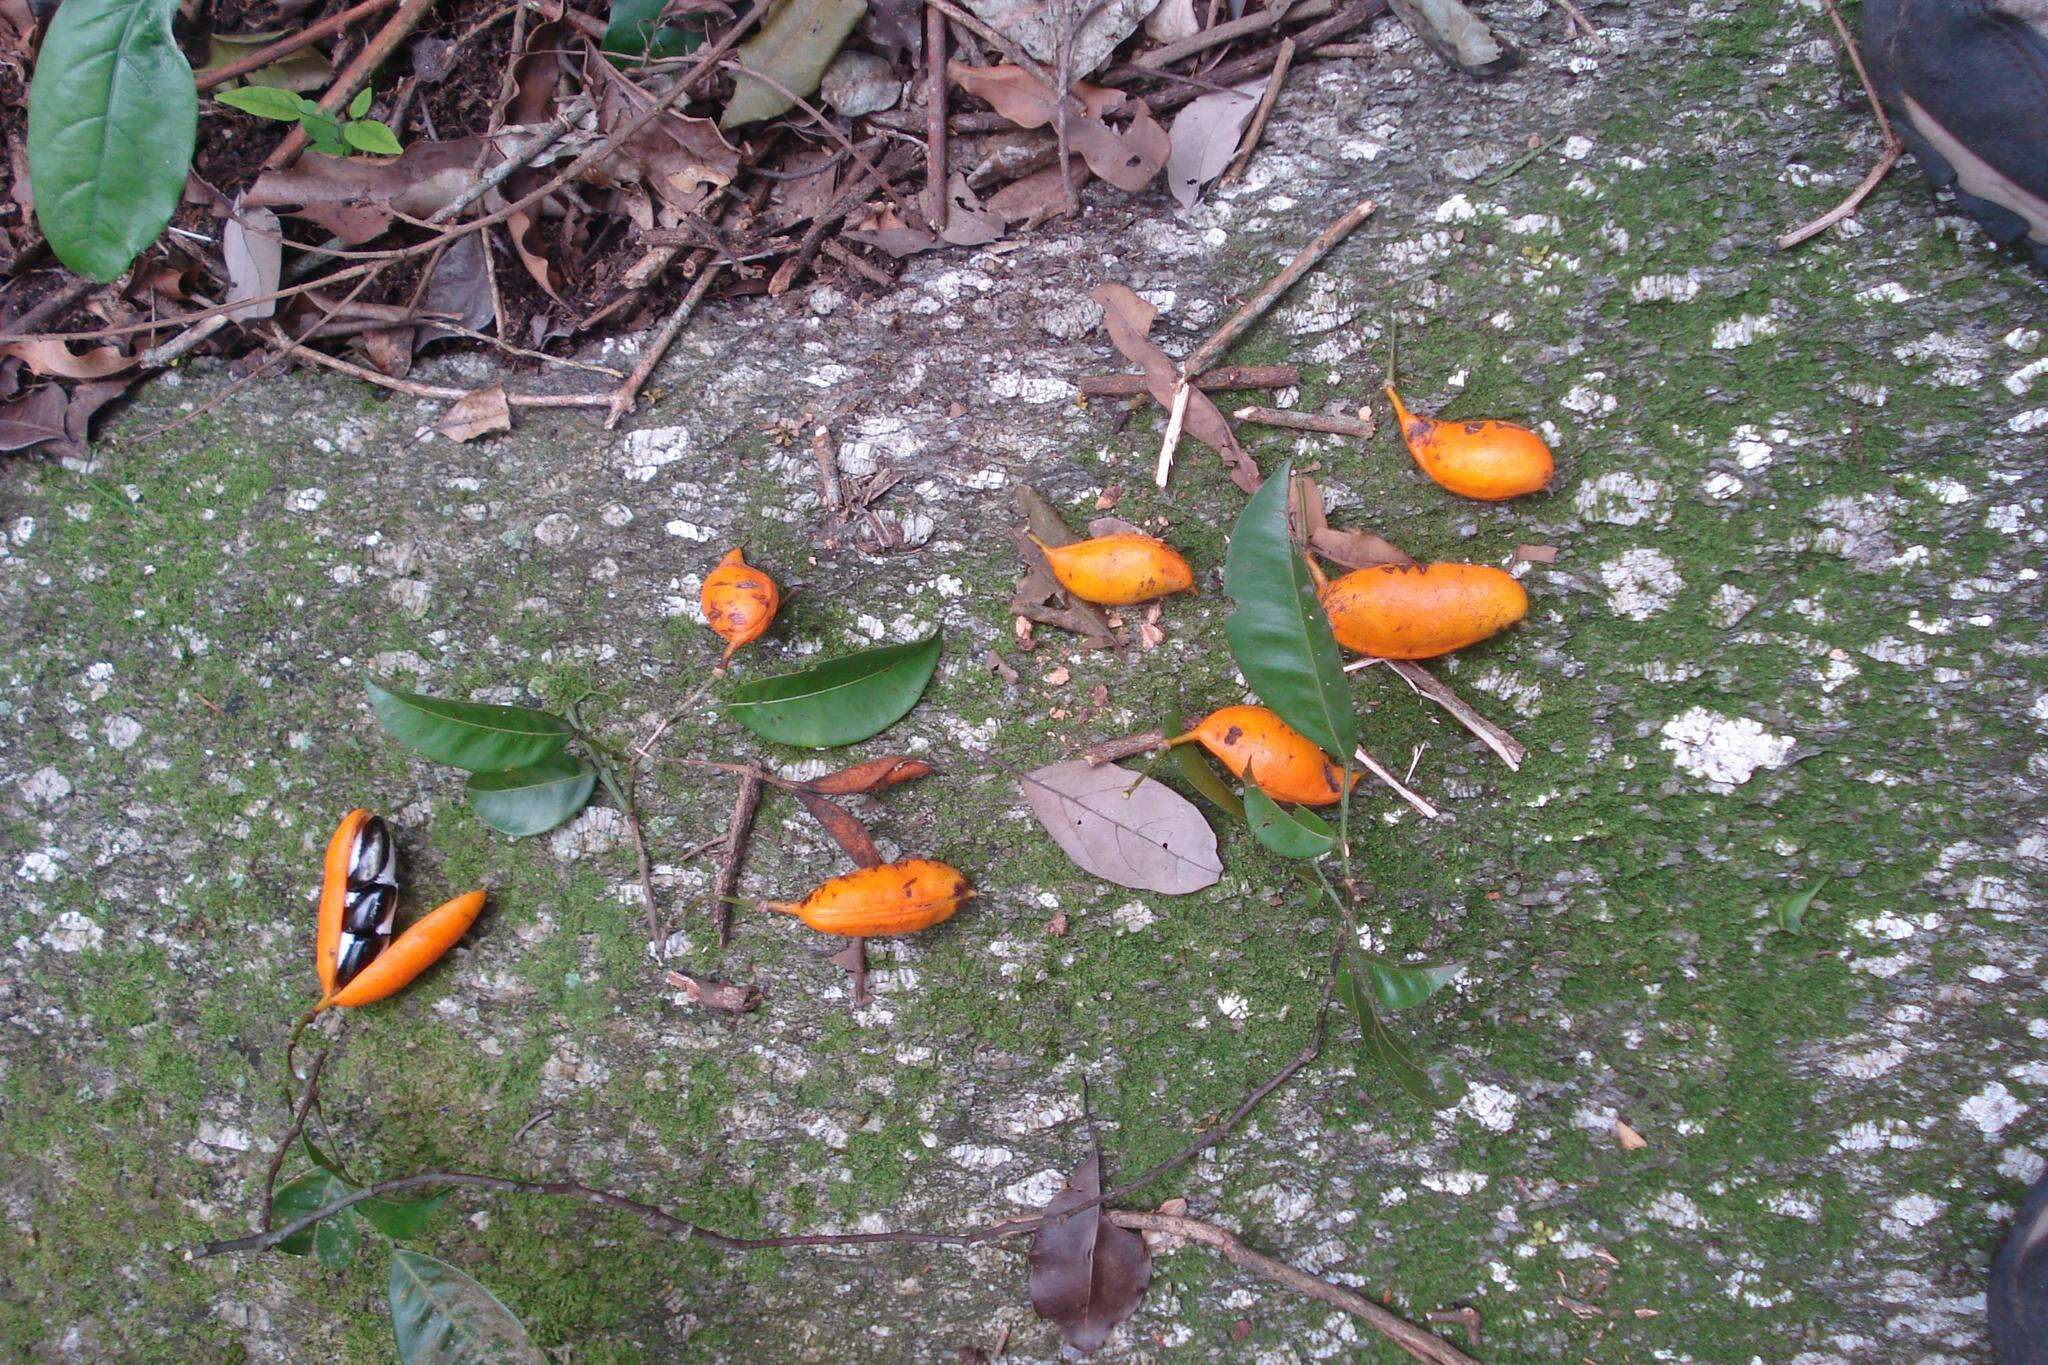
(1966, 85)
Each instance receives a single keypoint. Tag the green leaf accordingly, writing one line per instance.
(840, 701)
(1383, 1048)
(533, 799)
(400, 1219)
(366, 134)
(477, 736)
(1397, 985)
(320, 1158)
(264, 101)
(797, 41)
(1279, 634)
(1291, 832)
(635, 32)
(331, 1240)
(112, 118)
(1196, 768)
(360, 105)
(443, 1317)
(1789, 914)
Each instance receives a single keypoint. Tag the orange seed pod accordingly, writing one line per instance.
(1489, 461)
(1256, 745)
(894, 898)
(1119, 570)
(739, 602)
(411, 953)
(1418, 611)
(333, 891)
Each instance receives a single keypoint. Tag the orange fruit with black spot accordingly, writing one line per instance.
(894, 898)
(1120, 570)
(739, 602)
(1418, 611)
(1259, 747)
(1490, 461)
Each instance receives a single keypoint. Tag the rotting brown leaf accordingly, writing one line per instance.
(1205, 136)
(1129, 319)
(477, 413)
(1087, 1274)
(252, 248)
(845, 828)
(355, 198)
(52, 358)
(723, 996)
(1353, 549)
(1127, 159)
(1123, 827)
(968, 223)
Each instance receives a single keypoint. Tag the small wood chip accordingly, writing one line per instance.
(723, 996)
(1537, 554)
(1629, 1138)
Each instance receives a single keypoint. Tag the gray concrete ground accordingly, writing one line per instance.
(1794, 631)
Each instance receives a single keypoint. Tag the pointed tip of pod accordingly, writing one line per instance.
(1400, 408)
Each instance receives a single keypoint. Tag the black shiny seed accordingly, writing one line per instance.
(354, 955)
(366, 908)
(372, 861)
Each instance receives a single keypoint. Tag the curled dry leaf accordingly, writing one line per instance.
(968, 223)
(1087, 1274)
(872, 776)
(1123, 827)
(1205, 136)
(845, 828)
(355, 198)
(724, 996)
(1127, 159)
(1352, 549)
(253, 248)
(51, 357)
(1129, 319)
(477, 413)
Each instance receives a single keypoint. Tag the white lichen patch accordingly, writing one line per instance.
(1991, 1110)
(1746, 330)
(72, 932)
(1640, 583)
(1666, 288)
(1724, 751)
(1489, 1106)
(1676, 1209)
(1621, 498)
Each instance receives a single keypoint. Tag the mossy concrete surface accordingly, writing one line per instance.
(1794, 631)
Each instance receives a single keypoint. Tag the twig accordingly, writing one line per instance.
(1255, 307)
(1281, 62)
(1578, 18)
(1001, 42)
(858, 264)
(284, 1144)
(845, 143)
(1304, 421)
(1511, 750)
(1111, 750)
(436, 391)
(621, 400)
(1176, 416)
(1395, 784)
(827, 455)
(1416, 1342)
(935, 149)
(263, 56)
(1218, 34)
(642, 864)
(1526, 159)
(1892, 146)
(1241, 69)
(744, 805)
(395, 31)
(1209, 381)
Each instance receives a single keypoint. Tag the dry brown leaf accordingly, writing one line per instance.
(1036, 196)
(252, 247)
(845, 828)
(1025, 100)
(477, 413)
(1537, 554)
(52, 358)
(1123, 827)
(1128, 319)
(1127, 159)
(871, 776)
(1629, 1138)
(1205, 137)
(723, 996)
(967, 222)
(1087, 1274)
(354, 198)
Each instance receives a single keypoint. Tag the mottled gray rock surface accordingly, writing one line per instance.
(1795, 630)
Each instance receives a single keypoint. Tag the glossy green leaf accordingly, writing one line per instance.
(400, 1219)
(112, 119)
(533, 799)
(1279, 634)
(840, 701)
(1789, 914)
(331, 1240)
(320, 1158)
(1383, 1048)
(795, 44)
(368, 135)
(478, 736)
(443, 1317)
(1291, 831)
(264, 101)
(1194, 765)
(1398, 985)
(360, 105)
(634, 31)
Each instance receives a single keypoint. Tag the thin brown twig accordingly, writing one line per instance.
(622, 399)
(1331, 423)
(415, 389)
(1422, 1345)
(1271, 96)
(1892, 146)
(845, 143)
(1130, 746)
(1255, 307)
(298, 1125)
(1215, 36)
(263, 56)
(1511, 750)
(1209, 381)
(935, 149)
(1579, 20)
(1395, 784)
(744, 806)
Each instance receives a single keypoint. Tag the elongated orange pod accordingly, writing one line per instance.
(1489, 460)
(341, 850)
(1256, 745)
(1418, 611)
(894, 898)
(1119, 570)
(739, 602)
(411, 953)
